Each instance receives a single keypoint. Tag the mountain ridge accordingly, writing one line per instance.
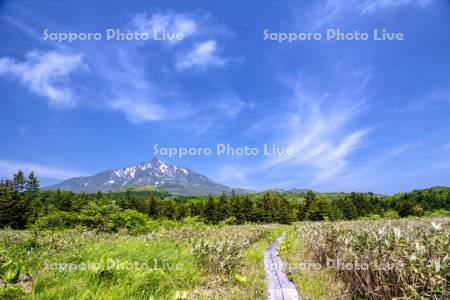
(177, 180)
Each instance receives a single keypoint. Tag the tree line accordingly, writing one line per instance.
(23, 204)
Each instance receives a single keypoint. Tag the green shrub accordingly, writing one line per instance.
(391, 214)
(132, 220)
(229, 221)
(58, 220)
(101, 217)
(438, 213)
(105, 218)
(370, 217)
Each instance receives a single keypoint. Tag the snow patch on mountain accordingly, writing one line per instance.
(174, 179)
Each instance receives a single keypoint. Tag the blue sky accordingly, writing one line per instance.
(359, 115)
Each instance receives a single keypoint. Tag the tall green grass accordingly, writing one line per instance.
(44, 263)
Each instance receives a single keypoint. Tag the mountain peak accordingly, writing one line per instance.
(155, 162)
(173, 179)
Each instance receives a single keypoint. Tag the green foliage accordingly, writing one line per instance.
(23, 205)
(9, 268)
(240, 279)
(371, 217)
(229, 221)
(11, 293)
(319, 210)
(391, 214)
(438, 213)
(107, 218)
(58, 220)
(105, 265)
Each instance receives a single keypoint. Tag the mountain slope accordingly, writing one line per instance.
(176, 180)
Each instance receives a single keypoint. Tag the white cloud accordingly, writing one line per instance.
(319, 126)
(317, 132)
(335, 12)
(433, 100)
(135, 82)
(218, 113)
(169, 22)
(200, 57)
(137, 111)
(8, 168)
(398, 150)
(46, 74)
(127, 86)
(131, 83)
(374, 5)
(28, 30)
(231, 105)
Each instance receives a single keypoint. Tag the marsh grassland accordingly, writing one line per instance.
(193, 261)
(401, 258)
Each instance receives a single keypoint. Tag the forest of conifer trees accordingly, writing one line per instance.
(24, 205)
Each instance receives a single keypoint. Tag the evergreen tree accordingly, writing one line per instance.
(170, 209)
(346, 205)
(19, 181)
(210, 212)
(152, 207)
(6, 203)
(268, 208)
(223, 208)
(284, 214)
(32, 183)
(319, 210)
(309, 199)
(236, 209)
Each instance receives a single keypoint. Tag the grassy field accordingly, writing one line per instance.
(191, 260)
(401, 258)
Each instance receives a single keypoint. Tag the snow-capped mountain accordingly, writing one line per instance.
(173, 179)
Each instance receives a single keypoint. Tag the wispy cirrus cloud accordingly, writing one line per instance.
(142, 96)
(218, 112)
(9, 167)
(398, 150)
(371, 6)
(433, 100)
(319, 126)
(319, 131)
(334, 12)
(47, 74)
(123, 75)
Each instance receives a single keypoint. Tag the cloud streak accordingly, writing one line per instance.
(46, 74)
(8, 168)
(318, 131)
(319, 127)
(334, 12)
(433, 100)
